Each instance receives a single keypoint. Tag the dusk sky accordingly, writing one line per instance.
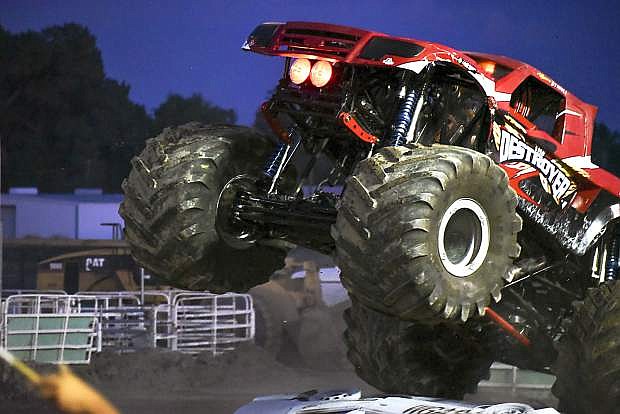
(159, 47)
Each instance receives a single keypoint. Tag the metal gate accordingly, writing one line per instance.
(208, 322)
(131, 320)
(121, 320)
(49, 328)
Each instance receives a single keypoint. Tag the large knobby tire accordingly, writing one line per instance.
(588, 364)
(404, 357)
(427, 231)
(170, 207)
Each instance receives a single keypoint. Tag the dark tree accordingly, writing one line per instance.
(177, 110)
(64, 124)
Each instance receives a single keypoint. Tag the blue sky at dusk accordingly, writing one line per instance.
(159, 47)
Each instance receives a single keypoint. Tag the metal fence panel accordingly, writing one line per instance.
(66, 328)
(208, 322)
(123, 321)
(48, 328)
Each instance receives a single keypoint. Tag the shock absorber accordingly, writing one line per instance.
(611, 265)
(275, 160)
(403, 119)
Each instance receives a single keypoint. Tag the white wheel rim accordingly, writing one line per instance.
(463, 238)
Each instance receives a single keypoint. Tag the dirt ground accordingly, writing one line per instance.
(161, 381)
(168, 382)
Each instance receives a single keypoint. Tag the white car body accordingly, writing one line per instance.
(351, 402)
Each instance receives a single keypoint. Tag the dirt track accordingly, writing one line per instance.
(166, 382)
(158, 381)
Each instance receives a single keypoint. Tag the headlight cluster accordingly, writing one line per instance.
(320, 72)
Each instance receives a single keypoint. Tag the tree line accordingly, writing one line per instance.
(64, 123)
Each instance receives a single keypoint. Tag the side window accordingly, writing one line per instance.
(541, 104)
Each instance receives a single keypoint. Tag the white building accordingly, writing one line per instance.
(85, 214)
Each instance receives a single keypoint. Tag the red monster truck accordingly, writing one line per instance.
(466, 177)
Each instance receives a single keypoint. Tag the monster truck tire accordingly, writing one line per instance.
(170, 207)
(588, 364)
(427, 231)
(404, 357)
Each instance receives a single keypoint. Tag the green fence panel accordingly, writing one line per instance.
(77, 339)
(48, 355)
(50, 339)
(52, 323)
(80, 322)
(20, 340)
(23, 355)
(75, 355)
(21, 323)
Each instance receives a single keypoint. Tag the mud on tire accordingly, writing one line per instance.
(170, 204)
(424, 231)
(404, 357)
(588, 364)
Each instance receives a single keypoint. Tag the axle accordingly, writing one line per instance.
(247, 215)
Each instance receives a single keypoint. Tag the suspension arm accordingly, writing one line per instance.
(300, 221)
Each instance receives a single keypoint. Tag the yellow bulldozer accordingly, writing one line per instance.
(105, 269)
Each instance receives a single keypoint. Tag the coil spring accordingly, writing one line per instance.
(403, 119)
(276, 158)
(611, 267)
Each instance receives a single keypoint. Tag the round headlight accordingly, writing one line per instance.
(321, 73)
(300, 69)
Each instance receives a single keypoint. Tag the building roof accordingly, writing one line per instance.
(8, 198)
